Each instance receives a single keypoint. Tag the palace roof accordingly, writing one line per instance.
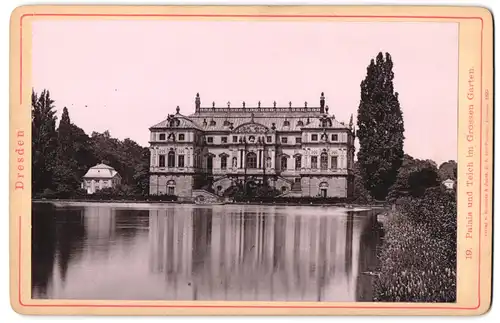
(270, 121)
(176, 121)
(273, 118)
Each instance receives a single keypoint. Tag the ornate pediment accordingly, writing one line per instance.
(251, 127)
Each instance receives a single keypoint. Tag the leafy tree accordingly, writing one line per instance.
(414, 177)
(65, 136)
(448, 170)
(141, 173)
(380, 128)
(83, 153)
(44, 140)
(62, 157)
(65, 176)
(360, 194)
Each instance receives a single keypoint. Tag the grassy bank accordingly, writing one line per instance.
(418, 256)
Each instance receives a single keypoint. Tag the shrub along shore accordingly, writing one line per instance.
(418, 255)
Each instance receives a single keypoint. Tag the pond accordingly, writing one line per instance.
(215, 252)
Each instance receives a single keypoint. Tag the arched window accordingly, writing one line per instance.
(284, 162)
(323, 189)
(324, 161)
(171, 159)
(300, 123)
(223, 162)
(268, 162)
(298, 162)
(251, 160)
(171, 187)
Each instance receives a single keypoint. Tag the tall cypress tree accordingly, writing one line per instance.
(380, 128)
(65, 175)
(64, 136)
(44, 140)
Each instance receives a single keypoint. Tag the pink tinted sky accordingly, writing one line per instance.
(125, 76)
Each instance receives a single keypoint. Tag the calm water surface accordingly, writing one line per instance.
(189, 252)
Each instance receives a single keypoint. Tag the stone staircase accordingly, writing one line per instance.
(201, 196)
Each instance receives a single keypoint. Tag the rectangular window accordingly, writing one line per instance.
(223, 140)
(323, 161)
(284, 163)
(314, 162)
(284, 140)
(269, 138)
(298, 140)
(162, 136)
(251, 161)
(335, 137)
(210, 140)
(181, 161)
(162, 161)
(297, 180)
(235, 138)
(314, 137)
(181, 137)
(334, 162)
(171, 159)
(171, 190)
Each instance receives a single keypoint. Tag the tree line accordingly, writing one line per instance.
(418, 254)
(62, 154)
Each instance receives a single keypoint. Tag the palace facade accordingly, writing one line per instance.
(300, 151)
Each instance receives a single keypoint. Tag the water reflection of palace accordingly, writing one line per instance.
(259, 253)
(187, 252)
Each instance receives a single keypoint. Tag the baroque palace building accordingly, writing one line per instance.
(301, 151)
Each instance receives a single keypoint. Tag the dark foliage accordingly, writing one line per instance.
(290, 200)
(418, 258)
(360, 194)
(44, 140)
(380, 128)
(413, 178)
(249, 192)
(448, 170)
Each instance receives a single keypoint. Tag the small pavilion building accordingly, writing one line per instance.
(100, 176)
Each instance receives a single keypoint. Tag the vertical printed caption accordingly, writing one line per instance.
(470, 162)
(486, 193)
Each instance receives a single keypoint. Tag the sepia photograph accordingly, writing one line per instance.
(244, 160)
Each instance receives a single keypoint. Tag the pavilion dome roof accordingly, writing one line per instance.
(101, 171)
